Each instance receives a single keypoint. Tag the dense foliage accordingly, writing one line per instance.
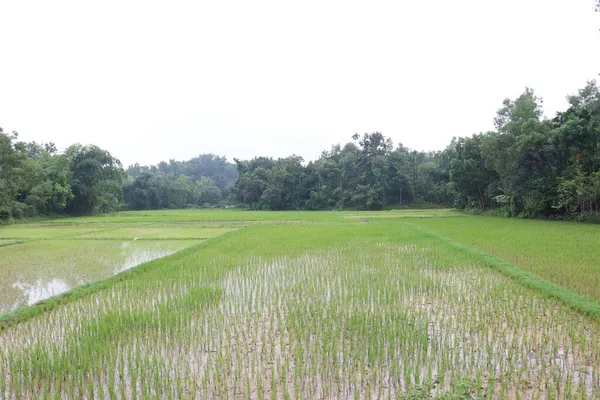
(203, 180)
(407, 306)
(528, 166)
(364, 174)
(36, 180)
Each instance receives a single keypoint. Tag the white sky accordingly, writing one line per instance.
(150, 81)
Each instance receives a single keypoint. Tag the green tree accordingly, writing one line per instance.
(12, 177)
(252, 181)
(96, 180)
(50, 189)
(469, 173)
(285, 188)
(207, 191)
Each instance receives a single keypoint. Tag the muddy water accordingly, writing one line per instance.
(34, 271)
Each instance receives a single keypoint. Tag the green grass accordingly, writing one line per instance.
(352, 305)
(223, 215)
(549, 289)
(158, 231)
(426, 213)
(47, 231)
(205, 215)
(36, 270)
(566, 254)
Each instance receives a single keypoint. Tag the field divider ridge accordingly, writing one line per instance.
(24, 313)
(16, 241)
(107, 229)
(528, 279)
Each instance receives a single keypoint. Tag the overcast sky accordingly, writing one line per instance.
(151, 81)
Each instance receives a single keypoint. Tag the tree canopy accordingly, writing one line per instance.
(36, 180)
(202, 180)
(529, 166)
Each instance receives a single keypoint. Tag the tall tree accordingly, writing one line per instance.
(12, 178)
(96, 180)
(50, 189)
(468, 172)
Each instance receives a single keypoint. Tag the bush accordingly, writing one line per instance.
(5, 214)
(473, 211)
(499, 212)
(22, 210)
(587, 217)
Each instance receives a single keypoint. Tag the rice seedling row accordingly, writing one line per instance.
(356, 310)
(564, 253)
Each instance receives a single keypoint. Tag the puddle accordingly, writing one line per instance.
(140, 256)
(40, 290)
(38, 270)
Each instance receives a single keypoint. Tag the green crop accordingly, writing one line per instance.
(565, 253)
(344, 305)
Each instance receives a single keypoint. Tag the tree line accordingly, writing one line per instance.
(529, 166)
(201, 181)
(36, 180)
(367, 173)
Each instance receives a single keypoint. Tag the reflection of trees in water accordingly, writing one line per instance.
(40, 290)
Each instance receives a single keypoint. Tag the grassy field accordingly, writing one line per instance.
(304, 305)
(564, 253)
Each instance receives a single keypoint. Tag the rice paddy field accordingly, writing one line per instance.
(299, 305)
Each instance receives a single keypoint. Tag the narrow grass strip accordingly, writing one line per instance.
(107, 229)
(25, 313)
(16, 241)
(572, 300)
(129, 239)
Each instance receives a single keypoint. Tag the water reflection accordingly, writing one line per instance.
(40, 290)
(37, 271)
(139, 256)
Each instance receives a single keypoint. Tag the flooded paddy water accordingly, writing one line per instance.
(41, 261)
(355, 310)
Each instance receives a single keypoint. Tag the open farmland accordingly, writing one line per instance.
(302, 305)
(567, 254)
(43, 260)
